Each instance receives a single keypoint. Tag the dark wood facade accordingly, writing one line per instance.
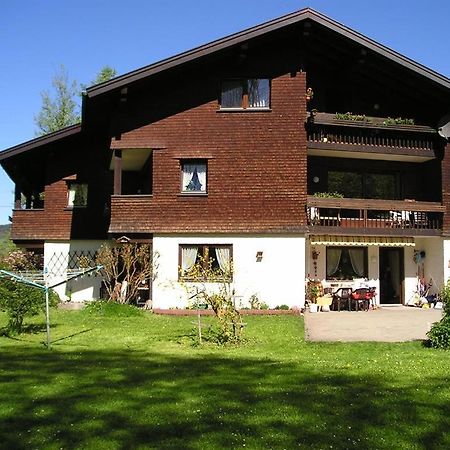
(260, 164)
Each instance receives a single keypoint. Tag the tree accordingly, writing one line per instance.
(61, 110)
(126, 268)
(19, 300)
(105, 74)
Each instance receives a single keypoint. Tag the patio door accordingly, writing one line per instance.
(391, 275)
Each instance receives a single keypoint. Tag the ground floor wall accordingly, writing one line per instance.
(270, 267)
(427, 260)
(59, 256)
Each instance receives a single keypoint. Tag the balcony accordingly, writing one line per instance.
(370, 135)
(374, 217)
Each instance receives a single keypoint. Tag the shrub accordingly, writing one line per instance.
(439, 334)
(19, 301)
(282, 307)
(107, 308)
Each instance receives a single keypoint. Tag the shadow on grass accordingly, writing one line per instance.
(143, 399)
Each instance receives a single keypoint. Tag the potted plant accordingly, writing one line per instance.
(313, 293)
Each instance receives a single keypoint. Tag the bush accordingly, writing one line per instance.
(439, 334)
(282, 307)
(111, 308)
(19, 301)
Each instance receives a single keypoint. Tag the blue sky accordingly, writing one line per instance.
(37, 36)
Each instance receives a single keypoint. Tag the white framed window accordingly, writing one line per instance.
(213, 259)
(193, 176)
(77, 195)
(245, 94)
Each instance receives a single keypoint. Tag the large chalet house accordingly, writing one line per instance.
(297, 149)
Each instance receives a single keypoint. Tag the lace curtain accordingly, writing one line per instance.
(188, 257)
(223, 258)
(258, 93)
(357, 260)
(333, 260)
(194, 177)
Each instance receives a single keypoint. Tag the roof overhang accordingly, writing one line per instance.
(267, 27)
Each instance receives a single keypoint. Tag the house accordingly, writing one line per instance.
(297, 149)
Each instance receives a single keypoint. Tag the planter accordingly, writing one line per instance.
(313, 308)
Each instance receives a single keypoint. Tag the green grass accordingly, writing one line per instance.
(139, 382)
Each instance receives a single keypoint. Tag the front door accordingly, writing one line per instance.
(391, 275)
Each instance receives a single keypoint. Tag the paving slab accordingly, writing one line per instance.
(386, 324)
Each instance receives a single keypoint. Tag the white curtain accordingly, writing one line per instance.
(357, 260)
(223, 258)
(188, 257)
(194, 177)
(333, 260)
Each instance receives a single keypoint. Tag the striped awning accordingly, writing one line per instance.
(362, 241)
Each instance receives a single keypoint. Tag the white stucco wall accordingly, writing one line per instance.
(278, 279)
(446, 259)
(84, 288)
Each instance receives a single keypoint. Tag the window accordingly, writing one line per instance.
(364, 185)
(346, 263)
(249, 93)
(77, 195)
(205, 262)
(193, 177)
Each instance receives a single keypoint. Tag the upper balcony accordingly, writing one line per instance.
(361, 136)
(374, 216)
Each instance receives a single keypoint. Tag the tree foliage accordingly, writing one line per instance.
(126, 268)
(105, 74)
(60, 109)
(19, 300)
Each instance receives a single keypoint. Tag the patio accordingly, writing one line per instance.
(386, 324)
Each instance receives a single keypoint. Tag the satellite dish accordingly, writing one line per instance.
(444, 127)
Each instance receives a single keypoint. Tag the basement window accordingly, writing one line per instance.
(253, 93)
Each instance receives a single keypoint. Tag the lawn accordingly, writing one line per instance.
(139, 382)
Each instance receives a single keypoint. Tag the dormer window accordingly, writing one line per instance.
(253, 93)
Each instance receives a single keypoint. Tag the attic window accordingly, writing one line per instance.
(253, 93)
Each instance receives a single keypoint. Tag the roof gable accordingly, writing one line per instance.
(259, 30)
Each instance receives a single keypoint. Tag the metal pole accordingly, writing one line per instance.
(47, 316)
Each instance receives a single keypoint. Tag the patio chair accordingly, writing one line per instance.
(341, 296)
(361, 297)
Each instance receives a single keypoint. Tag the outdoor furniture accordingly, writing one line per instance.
(361, 297)
(341, 297)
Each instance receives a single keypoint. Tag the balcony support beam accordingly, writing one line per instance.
(117, 172)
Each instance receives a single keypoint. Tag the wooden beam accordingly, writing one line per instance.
(17, 197)
(117, 172)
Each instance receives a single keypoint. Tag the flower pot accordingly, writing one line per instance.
(313, 308)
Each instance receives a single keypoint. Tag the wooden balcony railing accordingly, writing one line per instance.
(324, 130)
(372, 215)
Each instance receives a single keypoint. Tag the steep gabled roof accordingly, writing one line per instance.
(267, 27)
